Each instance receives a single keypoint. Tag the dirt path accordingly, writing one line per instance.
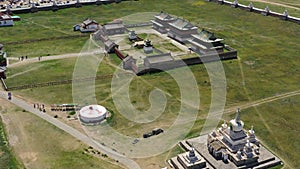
(54, 57)
(276, 3)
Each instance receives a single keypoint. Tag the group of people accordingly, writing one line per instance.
(22, 58)
(40, 107)
(25, 57)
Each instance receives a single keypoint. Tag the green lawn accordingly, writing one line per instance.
(46, 48)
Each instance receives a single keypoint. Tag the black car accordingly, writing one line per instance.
(157, 131)
(146, 135)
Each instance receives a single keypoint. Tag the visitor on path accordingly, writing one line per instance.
(9, 95)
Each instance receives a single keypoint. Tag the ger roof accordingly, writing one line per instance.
(182, 24)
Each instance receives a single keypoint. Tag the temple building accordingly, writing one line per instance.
(181, 30)
(206, 42)
(234, 143)
(89, 25)
(161, 22)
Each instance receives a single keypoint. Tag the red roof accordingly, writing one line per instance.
(4, 16)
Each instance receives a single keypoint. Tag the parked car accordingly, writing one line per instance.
(146, 135)
(157, 131)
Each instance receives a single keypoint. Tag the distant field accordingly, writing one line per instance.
(268, 64)
(7, 159)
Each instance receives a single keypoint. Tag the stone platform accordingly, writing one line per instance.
(266, 158)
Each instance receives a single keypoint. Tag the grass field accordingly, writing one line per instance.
(46, 48)
(268, 64)
(39, 144)
(7, 159)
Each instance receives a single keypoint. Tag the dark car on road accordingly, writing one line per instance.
(156, 131)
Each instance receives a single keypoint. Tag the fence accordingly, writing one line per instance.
(3, 84)
(54, 83)
(55, 7)
(251, 8)
(46, 39)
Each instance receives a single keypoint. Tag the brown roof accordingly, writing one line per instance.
(89, 21)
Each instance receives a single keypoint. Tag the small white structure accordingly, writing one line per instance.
(92, 114)
(6, 20)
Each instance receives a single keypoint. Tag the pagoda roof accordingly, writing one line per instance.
(182, 24)
(207, 36)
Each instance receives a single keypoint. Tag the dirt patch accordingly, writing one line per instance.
(29, 157)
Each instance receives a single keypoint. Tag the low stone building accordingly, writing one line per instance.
(158, 61)
(114, 28)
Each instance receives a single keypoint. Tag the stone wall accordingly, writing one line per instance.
(258, 10)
